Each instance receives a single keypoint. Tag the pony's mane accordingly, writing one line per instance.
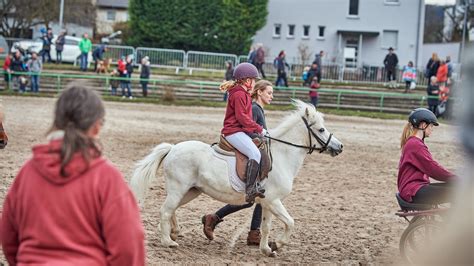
(295, 116)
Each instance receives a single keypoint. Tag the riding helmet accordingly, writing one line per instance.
(245, 70)
(422, 115)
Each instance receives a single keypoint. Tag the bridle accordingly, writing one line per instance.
(312, 147)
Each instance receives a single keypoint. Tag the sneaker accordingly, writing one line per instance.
(123, 97)
(131, 98)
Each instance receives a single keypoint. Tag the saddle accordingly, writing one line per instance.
(241, 159)
(3, 137)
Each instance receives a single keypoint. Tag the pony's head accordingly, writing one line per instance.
(318, 135)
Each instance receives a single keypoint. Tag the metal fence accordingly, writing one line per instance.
(390, 102)
(169, 58)
(115, 52)
(206, 61)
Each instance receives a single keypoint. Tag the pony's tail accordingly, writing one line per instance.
(146, 170)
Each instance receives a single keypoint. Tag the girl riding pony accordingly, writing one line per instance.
(238, 124)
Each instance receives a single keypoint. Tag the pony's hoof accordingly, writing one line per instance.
(273, 245)
(174, 236)
(170, 244)
(273, 254)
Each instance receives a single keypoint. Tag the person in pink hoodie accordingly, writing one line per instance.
(69, 205)
(416, 164)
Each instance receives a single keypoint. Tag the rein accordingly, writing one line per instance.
(311, 147)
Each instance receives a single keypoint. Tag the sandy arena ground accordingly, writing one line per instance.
(343, 206)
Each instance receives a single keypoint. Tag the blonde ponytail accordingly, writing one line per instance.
(408, 131)
(227, 85)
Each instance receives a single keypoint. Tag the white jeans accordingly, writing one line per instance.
(244, 144)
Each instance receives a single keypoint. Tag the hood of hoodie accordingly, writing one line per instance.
(47, 161)
(236, 89)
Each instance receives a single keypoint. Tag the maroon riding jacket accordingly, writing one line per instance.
(238, 114)
(416, 167)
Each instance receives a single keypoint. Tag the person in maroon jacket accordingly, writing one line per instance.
(238, 124)
(417, 165)
(68, 205)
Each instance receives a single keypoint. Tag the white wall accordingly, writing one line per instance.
(442, 49)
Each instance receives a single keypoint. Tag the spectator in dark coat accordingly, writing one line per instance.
(390, 62)
(432, 66)
(18, 68)
(313, 72)
(318, 61)
(260, 59)
(145, 75)
(229, 71)
(60, 41)
(98, 54)
(281, 71)
(126, 73)
(47, 41)
(433, 94)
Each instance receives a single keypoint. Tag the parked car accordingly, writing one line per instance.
(70, 52)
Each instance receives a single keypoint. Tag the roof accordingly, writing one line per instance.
(359, 32)
(113, 3)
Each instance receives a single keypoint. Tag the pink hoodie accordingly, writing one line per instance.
(87, 218)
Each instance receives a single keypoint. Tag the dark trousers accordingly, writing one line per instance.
(435, 193)
(144, 88)
(46, 53)
(314, 101)
(281, 79)
(391, 75)
(256, 217)
(59, 57)
(433, 106)
(260, 69)
(34, 83)
(126, 85)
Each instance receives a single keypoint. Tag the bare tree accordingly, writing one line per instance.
(18, 16)
(304, 54)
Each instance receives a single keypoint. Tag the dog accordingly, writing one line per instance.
(103, 66)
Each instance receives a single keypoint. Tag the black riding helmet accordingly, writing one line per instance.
(422, 115)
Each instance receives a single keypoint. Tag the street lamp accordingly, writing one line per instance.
(467, 4)
(61, 13)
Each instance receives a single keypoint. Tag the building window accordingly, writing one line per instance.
(111, 15)
(306, 31)
(390, 39)
(321, 31)
(353, 7)
(291, 31)
(277, 30)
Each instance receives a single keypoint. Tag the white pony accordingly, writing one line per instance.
(190, 168)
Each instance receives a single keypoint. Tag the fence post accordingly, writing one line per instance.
(200, 90)
(341, 73)
(185, 61)
(381, 102)
(58, 85)
(339, 99)
(10, 81)
(106, 83)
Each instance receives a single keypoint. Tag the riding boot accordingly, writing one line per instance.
(210, 221)
(253, 238)
(252, 189)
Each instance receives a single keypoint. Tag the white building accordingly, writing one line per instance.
(110, 12)
(351, 32)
